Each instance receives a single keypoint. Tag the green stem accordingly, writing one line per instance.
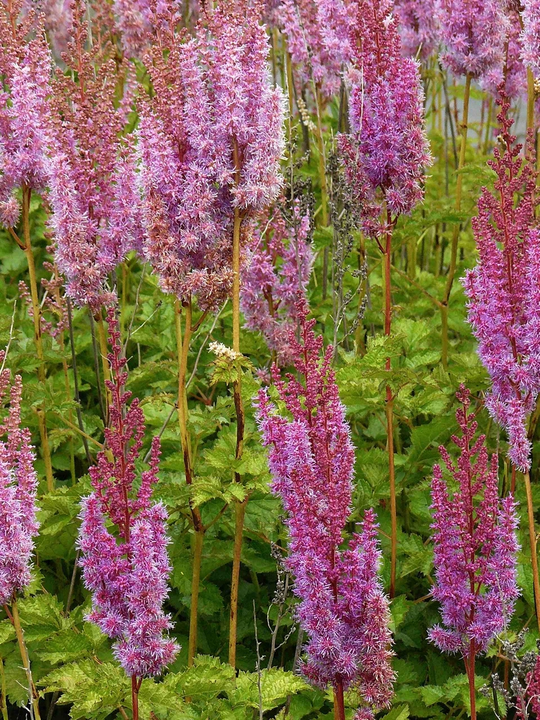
(455, 236)
(183, 341)
(3, 702)
(390, 404)
(240, 507)
(531, 96)
(16, 621)
(36, 313)
(533, 545)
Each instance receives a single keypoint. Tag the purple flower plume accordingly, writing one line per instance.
(342, 608)
(473, 33)
(503, 291)
(123, 539)
(210, 141)
(25, 67)
(275, 278)
(386, 152)
(96, 209)
(18, 489)
(474, 535)
(530, 37)
(417, 22)
(317, 33)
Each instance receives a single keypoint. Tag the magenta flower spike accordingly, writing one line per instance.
(25, 66)
(473, 34)
(474, 535)
(343, 609)
(210, 141)
(503, 294)
(275, 279)
(18, 491)
(123, 538)
(93, 193)
(386, 153)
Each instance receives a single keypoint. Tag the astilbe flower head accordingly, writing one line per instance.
(342, 608)
(18, 490)
(512, 74)
(275, 279)
(57, 19)
(503, 292)
(317, 33)
(123, 539)
(475, 544)
(93, 191)
(530, 37)
(210, 141)
(25, 69)
(417, 22)
(386, 153)
(473, 34)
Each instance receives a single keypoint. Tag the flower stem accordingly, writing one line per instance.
(339, 702)
(240, 507)
(3, 703)
(16, 622)
(530, 100)
(183, 341)
(532, 542)
(104, 352)
(455, 236)
(469, 667)
(135, 687)
(36, 313)
(390, 403)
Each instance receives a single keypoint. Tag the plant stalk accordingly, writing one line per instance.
(183, 341)
(36, 313)
(339, 701)
(470, 668)
(239, 507)
(455, 236)
(135, 687)
(3, 702)
(533, 544)
(390, 404)
(16, 622)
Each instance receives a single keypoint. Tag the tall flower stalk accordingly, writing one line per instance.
(475, 543)
(503, 302)
(123, 540)
(385, 156)
(25, 67)
(18, 523)
(474, 34)
(211, 141)
(342, 608)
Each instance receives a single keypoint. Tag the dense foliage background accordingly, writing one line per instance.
(72, 662)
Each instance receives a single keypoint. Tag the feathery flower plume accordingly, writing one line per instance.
(474, 534)
(503, 292)
(317, 33)
(275, 279)
(210, 141)
(387, 150)
(417, 22)
(57, 19)
(530, 37)
(25, 68)
(473, 33)
(123, 539)
(18, 490)
(93, 191)
(512, 75)
(342, 609)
